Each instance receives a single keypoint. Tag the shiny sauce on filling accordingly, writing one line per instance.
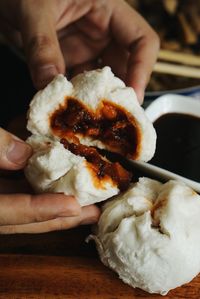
(110, 124)
(103, 168)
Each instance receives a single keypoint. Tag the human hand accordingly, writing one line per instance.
(81, 35)
(25, 213)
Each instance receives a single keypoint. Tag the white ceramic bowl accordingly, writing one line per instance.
(170, 103)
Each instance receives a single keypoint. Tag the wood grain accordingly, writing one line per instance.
(70, 277)
(73, 270)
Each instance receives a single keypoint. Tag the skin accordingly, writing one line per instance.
(67, 36)
(27, 213)
(74, 35)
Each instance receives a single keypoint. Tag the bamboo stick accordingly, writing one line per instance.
(190, 36)
(184, 58)
(178, 70)
(170, 6)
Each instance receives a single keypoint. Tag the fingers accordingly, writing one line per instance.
(14, 152)
(140, 64)
(88, 215)
(112, 55)
(132, 31)
(37, 26)
(23, 209)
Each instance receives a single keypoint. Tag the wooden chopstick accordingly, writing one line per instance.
(179, 57)
(178, 70)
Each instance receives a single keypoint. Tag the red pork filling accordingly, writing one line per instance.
(102, 168)
(111, 124)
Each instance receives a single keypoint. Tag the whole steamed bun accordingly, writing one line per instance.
(150, 235)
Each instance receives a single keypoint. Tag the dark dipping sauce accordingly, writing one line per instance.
(178, 144)
(110, 124)
(102, 168)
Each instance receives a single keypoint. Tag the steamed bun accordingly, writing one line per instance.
(150, 235)
(52, 168)
(69, 120)
(94, 90)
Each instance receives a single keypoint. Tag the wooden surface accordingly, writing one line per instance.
(61, 265)
(68, 277)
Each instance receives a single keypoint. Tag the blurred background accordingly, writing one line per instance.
(177, 23)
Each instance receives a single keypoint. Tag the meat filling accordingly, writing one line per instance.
(103, 168)
(111, 125)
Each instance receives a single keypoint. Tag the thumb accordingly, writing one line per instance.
(14, 152)
(40, 41)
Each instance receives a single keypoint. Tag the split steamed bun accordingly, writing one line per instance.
(52, 168)
(150, 235)
(94, 90)
(68, 119)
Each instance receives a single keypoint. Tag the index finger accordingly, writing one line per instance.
(133, 32)
(38, 30)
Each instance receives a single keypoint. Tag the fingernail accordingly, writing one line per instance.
(44, 74)
(18, 152)
(140, 95)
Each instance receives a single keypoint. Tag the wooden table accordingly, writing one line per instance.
(61, 265)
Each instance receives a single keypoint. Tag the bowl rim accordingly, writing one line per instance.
(172, 103)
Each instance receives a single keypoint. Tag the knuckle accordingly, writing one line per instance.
(62, 226)
(57, 224)
(35, 208)
(30, 206)
(41, 48)
(5, 230)
(65, 223)
(39, 42)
